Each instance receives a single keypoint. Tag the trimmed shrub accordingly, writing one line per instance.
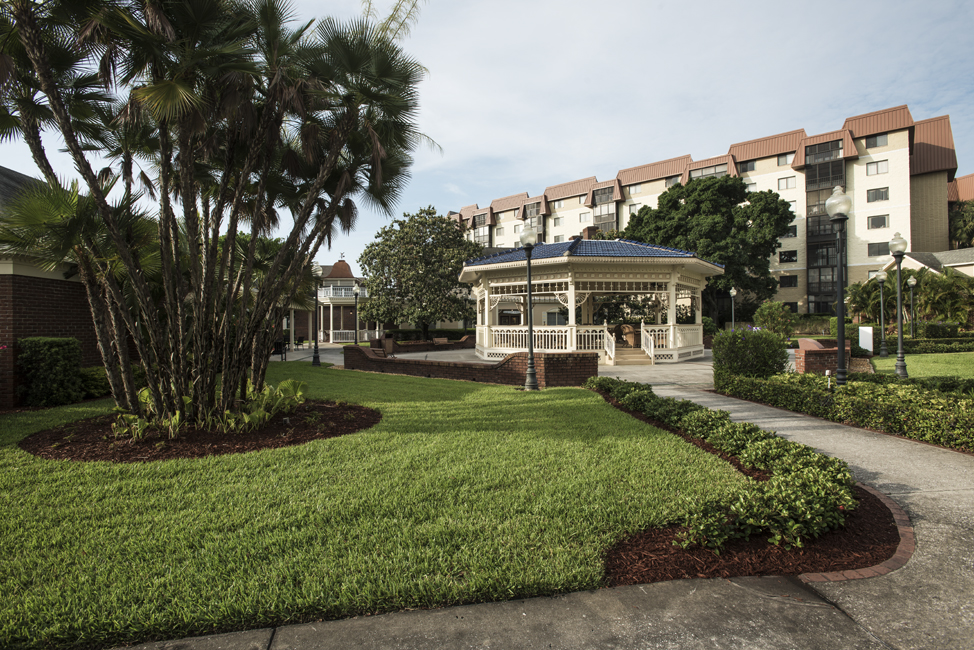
(51, 370)
(749, 353)
(709, 326)
(94, 382)
(417, 334)
(938, 330)
(776, 317)
(834, 326)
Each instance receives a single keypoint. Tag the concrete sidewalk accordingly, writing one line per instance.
(926, 604)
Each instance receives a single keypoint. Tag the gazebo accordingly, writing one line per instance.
(579, 274)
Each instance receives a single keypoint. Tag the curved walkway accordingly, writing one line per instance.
(928, 603)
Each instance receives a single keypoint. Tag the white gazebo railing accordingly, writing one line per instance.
(662, 343)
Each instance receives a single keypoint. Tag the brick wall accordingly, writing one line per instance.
(818, 361)
(552, 369)
(32, 306)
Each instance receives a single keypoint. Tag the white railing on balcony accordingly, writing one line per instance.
(341, 292)
(688, 335)
(589, 338)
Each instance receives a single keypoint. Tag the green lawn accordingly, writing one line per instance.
(463, 493)
(956, 364)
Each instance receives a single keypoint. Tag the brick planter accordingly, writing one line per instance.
(553, 369)
(818, 361)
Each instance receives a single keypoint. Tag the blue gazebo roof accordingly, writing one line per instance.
(586, 248)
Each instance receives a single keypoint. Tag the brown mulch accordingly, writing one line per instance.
(92, 439)
(869, 537)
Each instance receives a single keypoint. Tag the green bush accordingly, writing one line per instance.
(834, 326)
(417, 335)
(808, 493)
(94, 380)
(934, 346)
(776, 317)
(51, 371)
(749, 352)
(709, 326)
(939, 411)
(937, 330)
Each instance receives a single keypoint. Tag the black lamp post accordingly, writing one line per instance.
(733, 292)
(529, 237)
(913, 314)
(355, 293)
(881, 279)
(315, 359)
(897, 246)
(838, 206)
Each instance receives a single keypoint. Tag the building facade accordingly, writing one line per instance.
(898, 171)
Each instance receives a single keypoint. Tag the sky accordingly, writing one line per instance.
(523, 94)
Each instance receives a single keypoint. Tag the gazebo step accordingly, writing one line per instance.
(632, 357)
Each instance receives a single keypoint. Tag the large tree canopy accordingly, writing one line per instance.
(412, 271)
(238, 114)
(720, 221)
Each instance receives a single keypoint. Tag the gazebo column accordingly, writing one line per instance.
(699, 307)
(572, 335)
(671, 309)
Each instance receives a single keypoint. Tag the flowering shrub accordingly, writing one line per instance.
(749, 352)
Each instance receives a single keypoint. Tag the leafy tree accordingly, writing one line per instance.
(238, 113)
(720, 221)
(776, 317)
(961, 223)
(412, 271)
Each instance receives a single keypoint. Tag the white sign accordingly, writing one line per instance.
(866, 338)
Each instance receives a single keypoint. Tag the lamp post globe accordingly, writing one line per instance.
(733, 293)
(838, 207)
(913, 314)
(897, 247)
(529, 238)
(316, 269)
(881, 279)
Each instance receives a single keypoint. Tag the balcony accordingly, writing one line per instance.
(341, 292)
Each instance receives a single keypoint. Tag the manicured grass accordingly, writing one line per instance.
(463, 493)
(954, 364)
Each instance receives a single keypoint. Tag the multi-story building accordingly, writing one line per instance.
(899, 172)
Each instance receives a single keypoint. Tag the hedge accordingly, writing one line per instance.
(417, 335)
(905, 408)
(50, 369)
(807, 494)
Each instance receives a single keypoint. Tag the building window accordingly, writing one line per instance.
(787, 183)
(714, 171)
(881, 194)
(821, 255)
(879, 221)
(792, 232)
(877, 250)
(786, 159)
(581, 199)
(517, 229)
(554, 318)
(787, 281)
(481, 232)
(498, 232)
(878, 167)
(745, 167)
(825, 175)
(876, 141)
(635, 189)
(821, 280)
(672, 180)
(559, 238)
(605, 209)
(817, 153)
(752, 187)
(560, 203)
(634, 209)
(558, 221)
(584, 217)
(785, 257)
(532, 210)
(793, 306)
(794, 206)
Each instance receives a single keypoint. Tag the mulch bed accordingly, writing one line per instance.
(92, 439)
(869, 537)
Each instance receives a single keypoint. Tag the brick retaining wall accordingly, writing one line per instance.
(468, 342)
(552, 368)
(818, 361)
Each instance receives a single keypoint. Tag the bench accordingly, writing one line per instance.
(443, 341)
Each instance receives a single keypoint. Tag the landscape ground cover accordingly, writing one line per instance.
(462, 493)
(956, 364)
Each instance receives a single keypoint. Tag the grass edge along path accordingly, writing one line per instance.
(463, 493)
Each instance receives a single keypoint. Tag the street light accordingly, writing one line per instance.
(881, 279)
(897, 246)
(913, 314)
(315, 359)
(355, 293)
(733, 292)
(838, 206)
(529, 237)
